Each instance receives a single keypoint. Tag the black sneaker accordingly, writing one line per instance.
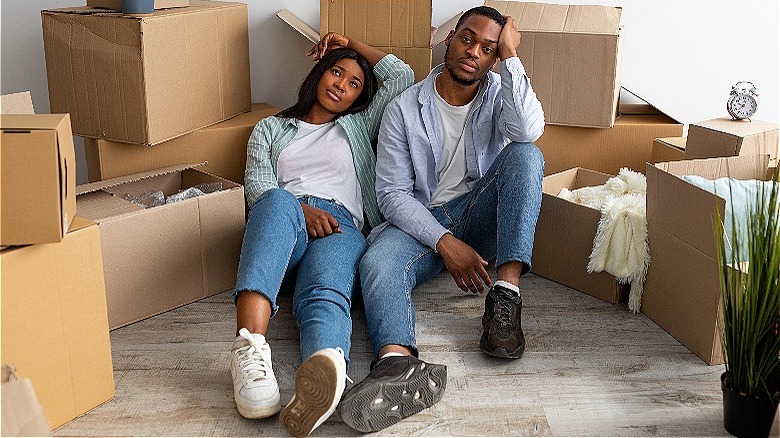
(396, 387)
(502, 335)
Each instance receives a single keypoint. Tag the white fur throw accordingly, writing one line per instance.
(620, 246)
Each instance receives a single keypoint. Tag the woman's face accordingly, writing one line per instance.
(340, 86)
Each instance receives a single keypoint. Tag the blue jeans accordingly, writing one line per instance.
(278, 248)
(497, 218)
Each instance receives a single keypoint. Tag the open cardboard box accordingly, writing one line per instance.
(564, 237)
(160, 258)
(222, 145)
(682, 289)
(54, 323)
(38, 179)
(668, 149)
(149, 78)
(628, 144)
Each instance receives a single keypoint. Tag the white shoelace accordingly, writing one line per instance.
(254, 359)
(340, 350)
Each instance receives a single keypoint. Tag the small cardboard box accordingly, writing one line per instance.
(147, 79)
(628, 144)
(682, 289)
(724, 137)
(116, 5)
(54, 325)
(160, 258)
(222, 145)
(38, 178)
(564, 237)
(573, 55)
(668, 149)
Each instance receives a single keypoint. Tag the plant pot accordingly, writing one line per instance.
(137, 6)
(745, 416)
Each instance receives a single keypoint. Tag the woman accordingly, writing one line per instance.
(310, 185)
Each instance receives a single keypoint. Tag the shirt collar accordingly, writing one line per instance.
(429, 83)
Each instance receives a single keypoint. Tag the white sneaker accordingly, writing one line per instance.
(254, 383)
(318, 387)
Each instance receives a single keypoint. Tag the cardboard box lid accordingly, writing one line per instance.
(543, 17)
(28, 122)
(738, 128)
(195, 6)
(674, 142)
(16, 103)
(113, 182)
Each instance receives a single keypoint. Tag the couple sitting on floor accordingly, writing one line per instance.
(455, 181)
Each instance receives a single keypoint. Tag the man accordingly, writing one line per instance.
(459, 182)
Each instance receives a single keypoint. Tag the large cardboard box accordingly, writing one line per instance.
(117, 4)
(628, 144)
(668, 149)
(573, 55)
(564, 237)
(54, 325)
(156, 259)
(147, 79)
(222, 145)
(38, 178)
(682, 289)
(724, 137)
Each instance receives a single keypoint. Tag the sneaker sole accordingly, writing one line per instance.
(501, 352)
(315, 388)
(379, 406)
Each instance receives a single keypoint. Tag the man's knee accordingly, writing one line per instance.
(525, 157)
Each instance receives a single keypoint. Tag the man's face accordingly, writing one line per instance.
(472, 49)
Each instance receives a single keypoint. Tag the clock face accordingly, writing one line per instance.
(742, 106)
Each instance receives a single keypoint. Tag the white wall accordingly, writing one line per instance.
(680, 55)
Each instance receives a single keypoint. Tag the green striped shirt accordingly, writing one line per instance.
(272, 134)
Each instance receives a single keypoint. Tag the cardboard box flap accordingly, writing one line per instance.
(30, 122)
(740, 167)
(738, 128)
(543, 17)
(571, 179)
(17, 103)
(630, 103)
(442, 31)
(113, 182)
(674, 142)
(299, 25)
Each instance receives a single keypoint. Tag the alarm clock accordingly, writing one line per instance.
(742, 101)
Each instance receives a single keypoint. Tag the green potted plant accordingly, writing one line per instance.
(749, 268)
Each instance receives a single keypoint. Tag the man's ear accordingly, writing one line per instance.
(449, 38)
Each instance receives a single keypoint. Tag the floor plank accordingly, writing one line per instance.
(590, 369)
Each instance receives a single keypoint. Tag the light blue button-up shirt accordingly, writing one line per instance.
(410, 144)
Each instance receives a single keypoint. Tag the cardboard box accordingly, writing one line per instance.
(16, 103)
(573, 55)
(564, 237)
(724, 137)
(38, 178)
(160, 258)
(668, 149)
(147, 79)
(116, 5)
(628, 144)
(54, 325)
(22, 413)
(222, 145)
(682, 289)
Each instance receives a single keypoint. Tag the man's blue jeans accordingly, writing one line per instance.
(277, 247)
(497, 218)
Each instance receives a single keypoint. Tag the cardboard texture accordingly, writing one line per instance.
(668, 149)
(16, 103)
(38, 178)
(160, 258)
(682, 289)
(54, 325)
(724, 137)
(564, 237)
(116, 5)
(573, 55)
(628, 144)
(222, 145)
(22, 414)
(147, 79)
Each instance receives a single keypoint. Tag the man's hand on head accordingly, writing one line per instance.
(509, 39)
(464, 264)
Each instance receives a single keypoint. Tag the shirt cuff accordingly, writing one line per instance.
(513, 65)
(384, 68)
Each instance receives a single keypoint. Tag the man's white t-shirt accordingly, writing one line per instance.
(451, 171)
(318, 162)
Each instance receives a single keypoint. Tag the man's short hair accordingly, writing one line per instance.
(485, 11)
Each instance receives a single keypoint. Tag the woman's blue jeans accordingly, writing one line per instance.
(497, 218)
(278, 248)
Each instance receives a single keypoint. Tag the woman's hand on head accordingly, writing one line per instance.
(319, 223)
(330, 41)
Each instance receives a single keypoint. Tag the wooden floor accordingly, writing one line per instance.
(590, 368)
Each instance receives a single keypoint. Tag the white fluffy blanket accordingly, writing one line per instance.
(620, 246)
